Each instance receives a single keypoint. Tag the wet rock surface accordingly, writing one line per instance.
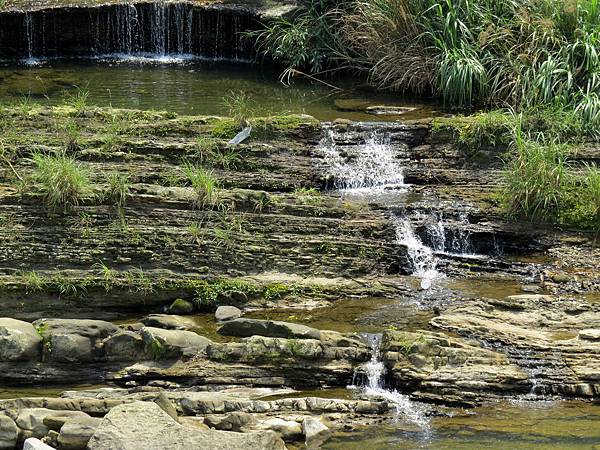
(290, 258)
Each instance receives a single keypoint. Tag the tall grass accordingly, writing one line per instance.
(61, 179)
(204, 183)
(518, 53)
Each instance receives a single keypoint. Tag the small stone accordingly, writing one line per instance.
(224, 313)
(76, 433)
(532, 288)
(181, 306)
(289, 430)
(166, 405)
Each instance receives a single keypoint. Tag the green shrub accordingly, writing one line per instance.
(61, 179)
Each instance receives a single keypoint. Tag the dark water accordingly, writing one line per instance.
(186, 87)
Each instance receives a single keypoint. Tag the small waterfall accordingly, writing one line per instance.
(374, 387)
(370, 167)
(422, 258)
(161, 31)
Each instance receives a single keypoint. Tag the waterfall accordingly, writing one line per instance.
(161, 31)
(369, 167)
(375, 370)
(422, 258)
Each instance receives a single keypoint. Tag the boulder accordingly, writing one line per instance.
(9, 433)
(92, 329)
(169, 322)
(70, 348)
(233, 421)
(35, 444)
(145, 426)
(75, 433)
(224, 313)
(166, 405)
(124, 346)
(315, 432)
(181, 306)
(164, 344)
(18, 340)
(289, 430)
(31, 420)
(268, 328)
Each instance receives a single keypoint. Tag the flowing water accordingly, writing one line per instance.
(405, 409)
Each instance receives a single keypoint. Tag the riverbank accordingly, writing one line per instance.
(168, 222)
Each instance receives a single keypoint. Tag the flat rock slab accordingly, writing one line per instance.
(145, 426)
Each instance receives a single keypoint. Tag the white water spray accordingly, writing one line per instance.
(405, 409)
(372, 166)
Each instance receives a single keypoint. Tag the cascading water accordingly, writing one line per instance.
(422, 258)
(373, 166)
(154, 31)
(374, 370)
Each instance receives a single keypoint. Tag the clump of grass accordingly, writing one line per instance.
(536, 176)
(78, 100)
(204, 183)
(33, 281)
(61, 179)
(70, 134)
(208, 152)
(240, 107)
(118, 188)
(308, 196)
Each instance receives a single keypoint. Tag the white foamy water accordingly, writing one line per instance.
(421, 257)
(370, 167)
(405, 409)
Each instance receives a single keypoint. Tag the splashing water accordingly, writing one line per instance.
(375, 371)
(421, 257)
(372, 166)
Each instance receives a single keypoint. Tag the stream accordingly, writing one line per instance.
(373, 172)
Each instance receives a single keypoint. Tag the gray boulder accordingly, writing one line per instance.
(92, 329)
(35, 444)
(233, 421)
(268, 328)
(315, 432)
(181, 306)
(70, 348)
(289, 430)
(169, 322)
(145, 426)
(9, 433)
(124, 346)
(31, 420)
(224, 313)
(76, 433)
(18, 340)
(164, 344)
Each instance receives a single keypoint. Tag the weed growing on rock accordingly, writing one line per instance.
(117, 189)
(240, 107)
(33, 281)
(78, 100)
(108, 276)
(61, 179)
(207, 293)
(157, 349)
(205, 185)
(138, 281)
(308, 196)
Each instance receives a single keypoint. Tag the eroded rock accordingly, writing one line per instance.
(18, 340)
(144, 426)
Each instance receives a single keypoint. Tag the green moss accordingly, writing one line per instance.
(263, 127)
(157, 349)
(207, 293)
